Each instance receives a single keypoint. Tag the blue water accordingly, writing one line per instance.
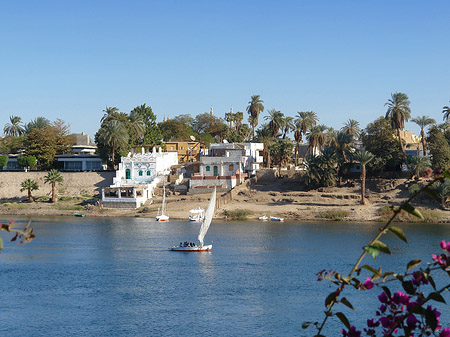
(115, 277)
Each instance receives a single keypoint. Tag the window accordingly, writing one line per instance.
(171, 148)
(181, 147)
(127, 174)
(208, 168)
(149, 173)
(140, 173)
(231, 167)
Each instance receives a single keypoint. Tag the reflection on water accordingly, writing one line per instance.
(116, 277)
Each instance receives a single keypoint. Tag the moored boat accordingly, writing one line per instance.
(263, 218)
(197, 214)
(276, 218)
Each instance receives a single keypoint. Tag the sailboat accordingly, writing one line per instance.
(191, 247)
(163, 216)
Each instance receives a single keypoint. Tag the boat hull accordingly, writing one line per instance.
(205, 248)
(162, 218)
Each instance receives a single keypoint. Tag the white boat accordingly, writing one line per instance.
(263, 218)
(197, 214)
(276, 218)
(192, 247)
(163, 216)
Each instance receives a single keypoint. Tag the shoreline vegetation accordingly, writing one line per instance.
(282, 197)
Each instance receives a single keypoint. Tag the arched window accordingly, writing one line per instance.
(127, 174)
(149, 173)
(140, 173)
(208, 168)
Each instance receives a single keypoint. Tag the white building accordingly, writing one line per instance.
(137, 176)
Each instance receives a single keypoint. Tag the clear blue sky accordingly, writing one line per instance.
(341, 59)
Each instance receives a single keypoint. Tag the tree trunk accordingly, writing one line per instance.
(363, 183)
(296, 154)
(53, 192)
(30, 197)
(423, 143)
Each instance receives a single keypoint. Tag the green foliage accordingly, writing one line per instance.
(205, 123)
(26, 161)
(429, 216)
(419, 164)
(174, 129)
(439, 148)
(333, 215)
(112, 138)
(237, 214)
(152, 133)
(281, 151)
(321, 171)
(29, 185)
(3, 161)
(11, 144)
(15, 127)
(69, 207)
(254, 108)
(53, 177)
(379, 139)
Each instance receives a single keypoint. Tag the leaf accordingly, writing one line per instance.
(412, 210)
(387, 291)
(412, 264)
(409, 287)
(398, 233)
(382, 247)
(446, 174)
(432, 193)
(305, 325)
(374, 251)
(430, 279)
(330, 298)
(371, 269)
(436, 297)
(430, 318)
(347, 303)
(1, 243)
(343, 319)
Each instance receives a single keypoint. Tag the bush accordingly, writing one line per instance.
(26, 161)
(430, 216)
(238, 214)
(333, 215)
(3, 161)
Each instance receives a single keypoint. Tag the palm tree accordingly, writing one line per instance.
(399, 113)
(316, 138)
(238, 118)
(53, 176)
(304, 122)
(29, 185)
(287, 125)
(420, 164)
(363, 157)
(352, 128)
(14, 128)
(137, 125)
(275, 119)
(229, 117)
(254, 108)
(114, 134)
(264, 135)
(37, 123)
(108, 111)
(446, 112)
(423, 122)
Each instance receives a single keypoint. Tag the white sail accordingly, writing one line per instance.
(208, 217)
(163, 207)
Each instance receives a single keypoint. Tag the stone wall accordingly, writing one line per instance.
(74, 184)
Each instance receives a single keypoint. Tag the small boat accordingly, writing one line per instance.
(263, 218)
(197, 214)
(192, 247)
(163, 216)
(276, 218)
(79, 215)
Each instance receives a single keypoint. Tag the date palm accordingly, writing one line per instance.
(446, 112)
(254, 108)
(113, 133)
(108, 111)
(275, 119)
(287, 125)
(53, 176)
(29, 185)
(423, 122)
(137, 125)
(420, 164)
(363, 157)
(14, 128)
(37, 123)
(304, 122)
(264, 135)
(352, 128)
(238, 118)
(229, 117)
(399, 113)
(316, 138)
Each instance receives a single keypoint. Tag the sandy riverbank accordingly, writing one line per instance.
(282, 197)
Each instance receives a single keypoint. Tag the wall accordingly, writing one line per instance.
(74, 184)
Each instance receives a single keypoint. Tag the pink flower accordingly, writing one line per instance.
(383, 298)
(352, 332)
(445, 333)
(412, 321)
(444, 245)
(368, 284)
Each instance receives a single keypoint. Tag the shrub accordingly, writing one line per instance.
(333, 215)
(430, 216)
(238, 214)
(3, 161)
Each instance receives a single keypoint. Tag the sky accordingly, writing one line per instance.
(341, 59)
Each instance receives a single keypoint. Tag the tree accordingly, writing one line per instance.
(152, 134)
(254, 108)
(175, 129)
(29, 185)
(137, 127)
(38, 123)
(446, 112)
(229, 118)
(53, 177)
(12, 144)
(275, 119)
(14, 128)
(378, 139)
(287, 125)
(238, 118)
(42, 144)
(3, 161)
(423, 122)
(304, 122)
(399, 113)
(264, 135)
(281, 152)
(363, 157)
(321, 170)
(439, 148)
(420, 164)
(205, 123)
(26, 161)
(352, 128)
(109, 111)
(112, 137)
(316, 138)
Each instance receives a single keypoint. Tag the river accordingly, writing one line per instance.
(115, 276)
